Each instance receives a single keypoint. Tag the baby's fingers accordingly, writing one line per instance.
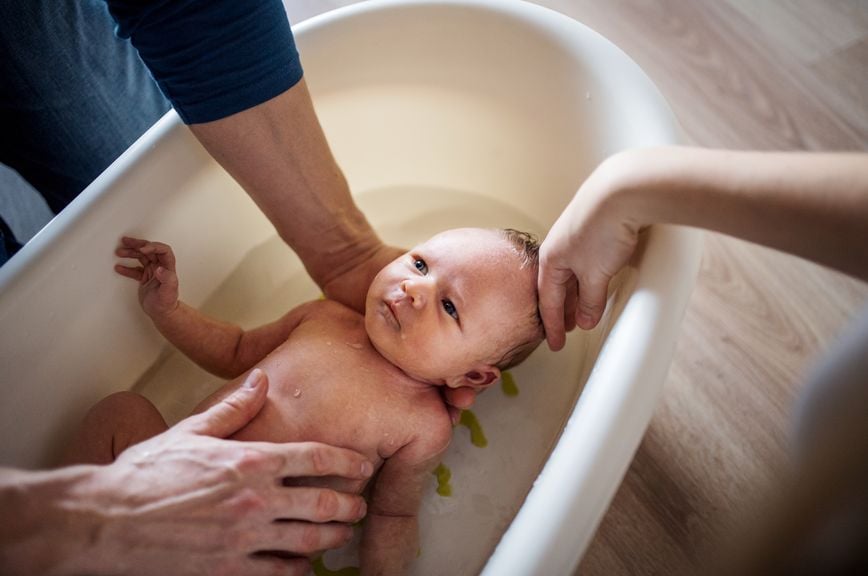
(130, 272)
(166, 277)
(133, 253)
(130, 242)
(132, 248)
(162, 252)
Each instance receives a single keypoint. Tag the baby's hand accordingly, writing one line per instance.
(158, 282)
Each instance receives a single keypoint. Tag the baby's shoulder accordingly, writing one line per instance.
(324, 306)
(328, 311)
(433, 426)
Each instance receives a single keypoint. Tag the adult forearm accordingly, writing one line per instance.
(50, 524)
(278, 153)
(813, 205)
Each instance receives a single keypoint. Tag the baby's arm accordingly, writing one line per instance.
(390, 541)
(221, 348)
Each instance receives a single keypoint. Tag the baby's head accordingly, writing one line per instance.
(459, 308)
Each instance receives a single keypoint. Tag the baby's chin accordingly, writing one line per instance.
(404, 366)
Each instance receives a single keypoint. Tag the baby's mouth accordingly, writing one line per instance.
(391, 314)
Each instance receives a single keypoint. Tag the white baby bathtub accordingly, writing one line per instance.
(441, 114)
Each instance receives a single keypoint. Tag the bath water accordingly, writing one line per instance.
(271, 280)
(408, 215)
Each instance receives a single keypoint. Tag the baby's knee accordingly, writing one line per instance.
(129, 417)
(125, 400)
(111, 425)
(123, 406)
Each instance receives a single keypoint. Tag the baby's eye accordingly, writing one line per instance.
(421, 266)
(450, 308)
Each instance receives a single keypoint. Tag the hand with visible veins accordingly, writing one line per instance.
(185, 502)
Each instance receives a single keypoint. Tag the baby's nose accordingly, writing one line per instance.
(418, 291)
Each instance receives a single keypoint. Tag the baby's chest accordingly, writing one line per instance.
(327, 390)
(336, 414)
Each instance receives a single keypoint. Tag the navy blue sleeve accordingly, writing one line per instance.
(212, 58)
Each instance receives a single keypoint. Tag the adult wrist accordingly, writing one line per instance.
(621, 184)
(164, 317)
(646, 184)
(356, 246)
(53, 521)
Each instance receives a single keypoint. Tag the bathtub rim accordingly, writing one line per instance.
(28, 258)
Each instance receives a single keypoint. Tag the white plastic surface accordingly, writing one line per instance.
(441, 114)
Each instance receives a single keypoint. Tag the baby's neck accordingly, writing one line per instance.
(399, 370)
(403, 374)
(409, 376)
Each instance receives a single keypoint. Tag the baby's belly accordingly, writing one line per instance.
(282, 426)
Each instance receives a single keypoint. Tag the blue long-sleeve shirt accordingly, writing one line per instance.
(212, 58)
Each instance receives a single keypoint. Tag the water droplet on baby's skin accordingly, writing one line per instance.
(296, 393)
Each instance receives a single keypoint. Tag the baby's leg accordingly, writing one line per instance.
(111, 426)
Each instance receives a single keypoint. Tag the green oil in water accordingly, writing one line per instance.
(444, 475)
(477, 437)
(507, 384)
(320, 569)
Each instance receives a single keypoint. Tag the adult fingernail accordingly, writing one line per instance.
(367, 469)
(253, 379)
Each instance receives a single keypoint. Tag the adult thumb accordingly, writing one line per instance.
(234, 411)
(592, 302)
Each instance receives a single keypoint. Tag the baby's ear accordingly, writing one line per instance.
(481, 377)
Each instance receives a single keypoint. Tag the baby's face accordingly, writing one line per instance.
(450, 304)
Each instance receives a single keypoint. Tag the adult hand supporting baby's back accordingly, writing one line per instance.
(187, 502)
(214, 506)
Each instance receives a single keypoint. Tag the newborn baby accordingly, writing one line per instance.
(453, 311)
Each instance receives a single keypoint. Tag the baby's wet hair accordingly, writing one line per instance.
(525, 243)
(527, 246)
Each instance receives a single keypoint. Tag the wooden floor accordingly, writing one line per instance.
(744, 74)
